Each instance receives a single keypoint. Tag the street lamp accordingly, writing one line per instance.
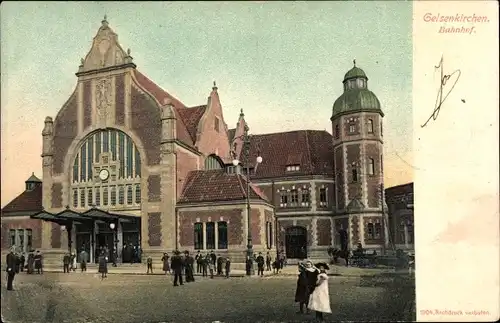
(246, 152)
(114, 228)
(68, 230)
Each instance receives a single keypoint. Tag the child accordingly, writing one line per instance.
(150, 264)
(319, 300)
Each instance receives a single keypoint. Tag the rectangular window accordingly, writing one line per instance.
(137, 163)
(378, 230)
(113, 195)
(216, 124)
(130, 198)
(210, 230)
(75, 197)
(121, 154)
(83, 169)
(105, 196)
(137, 193)
(12, 234)
(222, 235)
(306, 197)
(75, 169)
(284, 199)
(90, 158)
(105, 141)
(323, 201)
(130, 154)
(198, 236)
(97, 146)
(269, 234)
(82, 197)
(90, 197)
(292, 168)
(20, 236)
(370, 126)
(29, 240)
(98, 196)
(369, 231)
(354, 173)
(113, 145)
(294, 197)
(352, 128)
(371, 166)
(121, 195)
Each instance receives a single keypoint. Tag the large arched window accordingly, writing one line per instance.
(107, 171)
(213, 162)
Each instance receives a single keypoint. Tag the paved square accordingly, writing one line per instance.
(79, 298)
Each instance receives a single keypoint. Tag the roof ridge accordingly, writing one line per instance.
(308, 152)
(190, 180)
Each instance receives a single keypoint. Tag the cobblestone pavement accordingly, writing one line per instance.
(80, 298)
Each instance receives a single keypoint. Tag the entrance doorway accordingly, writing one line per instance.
(344, 240)
(296, 242)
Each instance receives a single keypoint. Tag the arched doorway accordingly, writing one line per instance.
(296, 242)
(344, 239)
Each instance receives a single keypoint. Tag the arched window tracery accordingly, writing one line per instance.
(107, 171)
(213, 162)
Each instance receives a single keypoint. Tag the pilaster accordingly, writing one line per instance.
(313, 195)
(314, 230)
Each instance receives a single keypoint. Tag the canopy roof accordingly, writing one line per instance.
(66, 216)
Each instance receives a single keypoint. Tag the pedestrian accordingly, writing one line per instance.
(83, 261)
(31, 262)
(18, 262)
(211, 269)
(73, 261)
(11, 268)
(103, 265)
(260, 265)
(228, 267)
(198, 258)
(189, 267)
(219, 265)
(177, 265)
(319, 300)
(306, 284)
(66, 261)
(268, 261)
(38, 262)
(149, 262)
(204, 265)
(23, 260)
(166, 263)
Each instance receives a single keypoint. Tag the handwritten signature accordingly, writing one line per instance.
(439, 98)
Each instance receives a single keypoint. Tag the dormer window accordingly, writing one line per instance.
(292, 168)
(370, 126)
(30, 186)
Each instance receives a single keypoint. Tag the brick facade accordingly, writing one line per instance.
(154, 188)
(87, 104)
(324, 233)
(14, 223)
(65, 131)
(57, 195)
(154, 229)
(120, 100)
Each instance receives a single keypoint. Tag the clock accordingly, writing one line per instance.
(104, 174)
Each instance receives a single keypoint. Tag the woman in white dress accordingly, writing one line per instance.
(319, 300)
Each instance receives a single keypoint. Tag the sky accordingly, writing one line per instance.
(281, 62)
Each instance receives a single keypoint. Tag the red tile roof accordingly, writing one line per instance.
(216, 186)
(27, 201)
(312, 150)
(187, 118)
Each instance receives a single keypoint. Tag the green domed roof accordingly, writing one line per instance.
(356, 100)
(355, 72)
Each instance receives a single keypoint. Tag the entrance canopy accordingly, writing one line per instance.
(68, 216)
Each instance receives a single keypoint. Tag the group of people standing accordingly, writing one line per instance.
(16, 262)
(212, 264)
(312, 289)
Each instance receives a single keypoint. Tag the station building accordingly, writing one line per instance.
(124, 151)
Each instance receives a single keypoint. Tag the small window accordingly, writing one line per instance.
(121, 195)
(105, 196)
(137, 193)
(216, 124)
(352, 128)
(29, 240)
(292, 168)
(269, 234)
(371, 166)
(369, 231)
(354, 172)
(378, 230)
(20, 235)
(130, 198)
(90, 197)
(113, 195)
(323, 201)
(198, 236)
(337, 131)
(370, 126)
(294, 194)
(75, 197)
(12, 234)
(210, 230)
(98, 196)
(284, 199)
(306, 197)
(82, 197)
(222, 235)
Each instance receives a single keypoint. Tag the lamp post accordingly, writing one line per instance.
(114, 227)
(68, 229)
(246, 152)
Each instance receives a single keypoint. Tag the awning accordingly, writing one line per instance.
(101, 215)
(47, 216)
(70, 215)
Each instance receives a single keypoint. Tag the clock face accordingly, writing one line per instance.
(104, 174)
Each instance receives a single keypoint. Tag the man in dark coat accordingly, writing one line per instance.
(198, 258)
(38, 262)
(219, 266)
(23, 260)
(66, 261)
(176, 264)
(11, 261)
(228, 267)
(260, 264)
(213, 257)
(189, 267)
(305, 284)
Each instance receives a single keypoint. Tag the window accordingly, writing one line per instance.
(212, 162)
(269, 234)
(369, 231)
(222, 235)
(294, 194)
(138, 193)
(83, 169)
(306, 197)
(130, 169)
(98, 196)
(371, 166)
(292, 168)
(75, 170)
(121, 195)
(354, 173)
(75, 197)
(12, 234)
(113, 195)
(352, 128)
(20, 235)
(322, 197)
(337, 131)
(105, 196)
(378, 230)
(90, 197)
(113, 147)
(284, 199)
(198, 235)
(370, 126)
(129, 194)
(82, 197)
(29, 240)
(210, 227)
(216, 124)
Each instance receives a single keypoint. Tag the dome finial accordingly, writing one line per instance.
(354, 61)
(214, 87)
(105, 20)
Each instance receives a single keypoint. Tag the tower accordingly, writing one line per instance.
(358, 159)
